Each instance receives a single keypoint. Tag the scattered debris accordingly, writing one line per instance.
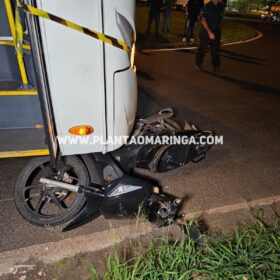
(41, 273)
(21, 269)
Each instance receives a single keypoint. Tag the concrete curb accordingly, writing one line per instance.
(56, 251)
(260, 35)
(236, 207)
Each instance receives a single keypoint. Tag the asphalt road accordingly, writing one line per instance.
(242, 104)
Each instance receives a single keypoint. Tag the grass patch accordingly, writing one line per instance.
(253, 253)
(232, 31)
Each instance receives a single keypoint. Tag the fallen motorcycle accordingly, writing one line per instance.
(83, 188)
(83, 66)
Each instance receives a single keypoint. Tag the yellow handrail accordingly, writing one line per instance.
(29, 92)
(20, 59)
(11, 43)
(28, 153)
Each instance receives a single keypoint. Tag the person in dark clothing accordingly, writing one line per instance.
(167, 11)
(211, 19)
(193, 11)
(223, 6)
(154, 14)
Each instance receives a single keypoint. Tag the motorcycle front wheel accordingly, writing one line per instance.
(43, 206)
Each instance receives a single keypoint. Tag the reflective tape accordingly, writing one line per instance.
(92, 33)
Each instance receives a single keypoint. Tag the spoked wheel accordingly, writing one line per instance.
(45, 206)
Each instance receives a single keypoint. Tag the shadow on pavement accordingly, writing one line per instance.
(233, 56)
(144, 75)
(231, 53)
(242, 58)
(146, 104)
(187, 51)
(245, 84)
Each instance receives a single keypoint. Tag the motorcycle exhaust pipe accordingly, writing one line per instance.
(56, 184)
(93, 190)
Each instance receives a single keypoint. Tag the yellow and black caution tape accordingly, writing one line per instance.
(92, 33)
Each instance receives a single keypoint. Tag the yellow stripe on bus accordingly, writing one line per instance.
(27, 153)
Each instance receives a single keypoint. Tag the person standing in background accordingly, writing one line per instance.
(193, 11)
(224, 6)
(154, 15)
(167, 11)
(211, 20)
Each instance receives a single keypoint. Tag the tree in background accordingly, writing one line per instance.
(247, 5)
